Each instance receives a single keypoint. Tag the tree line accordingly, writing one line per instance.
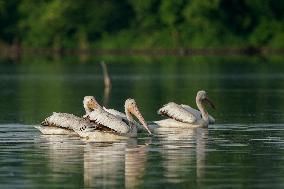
(112, 24)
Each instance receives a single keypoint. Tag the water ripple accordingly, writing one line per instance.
(180, 157)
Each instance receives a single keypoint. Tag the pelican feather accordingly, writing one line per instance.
(197, 113)
(102, 117)
(177, 112)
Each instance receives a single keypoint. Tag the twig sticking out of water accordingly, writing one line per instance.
(107, 80)
(107, 84)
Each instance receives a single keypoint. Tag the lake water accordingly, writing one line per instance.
(244, 149)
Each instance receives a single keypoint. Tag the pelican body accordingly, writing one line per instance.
(185, 116)
(65, 123)
(123, 116)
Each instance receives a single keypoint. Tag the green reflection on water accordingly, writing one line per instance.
(222, 156)
(244, 89)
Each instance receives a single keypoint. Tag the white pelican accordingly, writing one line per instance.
(185, 116)
(123, 116)
(64, 123)
(118, 125)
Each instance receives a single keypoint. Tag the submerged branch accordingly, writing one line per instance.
(107, 84)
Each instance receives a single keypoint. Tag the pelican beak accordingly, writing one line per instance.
(92, 104)
(135, 111)
(209, 102)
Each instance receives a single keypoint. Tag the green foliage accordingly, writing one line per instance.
(142, 23)
(8, 21)
(171, 12)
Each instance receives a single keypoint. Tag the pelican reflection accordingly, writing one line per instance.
(184, 149)
(114, 164)
(62, 155)
(119, 164)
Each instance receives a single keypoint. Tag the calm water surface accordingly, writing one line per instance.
(244, 149)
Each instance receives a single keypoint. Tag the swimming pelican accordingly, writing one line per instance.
(185, 116)
(123, 116)
(64, 123)
(118, 125)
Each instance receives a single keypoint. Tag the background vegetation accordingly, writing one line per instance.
(112, 24)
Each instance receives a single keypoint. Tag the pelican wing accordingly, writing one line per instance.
(68, 121)
(177, 112)
(115, 112)
(197, 113)
(106, 119)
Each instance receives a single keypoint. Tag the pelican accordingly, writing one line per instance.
(65, 123)
(140, 128)
(118, 125)
(185, 116)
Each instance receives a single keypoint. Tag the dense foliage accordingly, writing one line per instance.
(142, 23)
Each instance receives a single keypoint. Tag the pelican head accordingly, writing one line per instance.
(202, 97)
(90, 103)
(131, 107)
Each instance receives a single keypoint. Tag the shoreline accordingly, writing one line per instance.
(16, 51)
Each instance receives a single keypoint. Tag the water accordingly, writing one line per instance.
(244, 149)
